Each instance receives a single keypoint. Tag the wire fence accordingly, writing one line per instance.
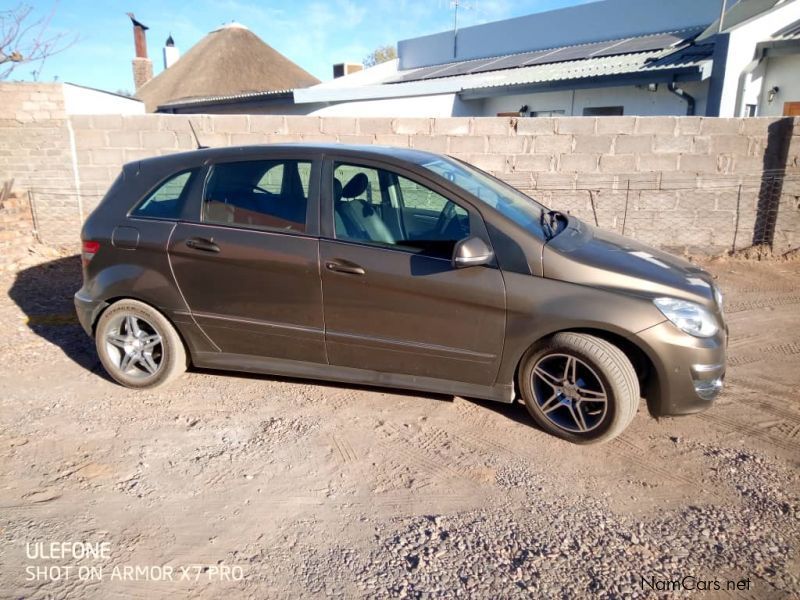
(711, 214)
(708, 213)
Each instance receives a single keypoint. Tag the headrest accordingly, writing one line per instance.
(357, 185)
(337, 189)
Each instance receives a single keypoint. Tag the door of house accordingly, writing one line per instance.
(791, 109)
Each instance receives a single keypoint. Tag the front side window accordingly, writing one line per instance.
(166, 202)
(377, 206)
(505, 199)
(261, 194)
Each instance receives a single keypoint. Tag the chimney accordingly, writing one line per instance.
(142, 66)
(171, 53)
(342, 69)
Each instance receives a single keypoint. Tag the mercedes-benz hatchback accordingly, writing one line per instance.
(392, 267)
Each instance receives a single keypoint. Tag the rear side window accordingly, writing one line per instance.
(166, 202)
(259, 194)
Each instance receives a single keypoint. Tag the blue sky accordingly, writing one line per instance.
(313, 33)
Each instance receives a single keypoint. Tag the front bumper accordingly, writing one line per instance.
(87, 310)
(690, 371)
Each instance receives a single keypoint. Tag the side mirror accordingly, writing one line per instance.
(471, 252)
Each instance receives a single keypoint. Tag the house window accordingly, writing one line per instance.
(602, 111)
(546, 113)
(749, 110)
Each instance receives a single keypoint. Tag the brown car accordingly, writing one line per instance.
(392, 267)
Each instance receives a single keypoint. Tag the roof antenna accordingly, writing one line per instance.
(196, 139)
(455, 4)
(723, 10)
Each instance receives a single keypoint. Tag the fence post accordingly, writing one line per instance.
(736, 226)
(594, 210)
(34, 217)
(627, 199)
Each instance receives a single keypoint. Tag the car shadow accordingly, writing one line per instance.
(513, 412)
(44, 293)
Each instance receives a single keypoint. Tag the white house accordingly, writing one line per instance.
(82, 100)
(613, 57)
(772, 84)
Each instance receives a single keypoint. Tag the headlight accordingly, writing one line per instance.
(688, 316)
(718, 298)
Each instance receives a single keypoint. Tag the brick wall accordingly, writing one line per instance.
(675, 182)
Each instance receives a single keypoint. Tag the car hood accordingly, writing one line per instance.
(587, 255)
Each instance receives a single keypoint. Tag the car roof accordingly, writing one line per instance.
(204, 155)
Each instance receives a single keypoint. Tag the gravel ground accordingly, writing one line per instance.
(258, 487)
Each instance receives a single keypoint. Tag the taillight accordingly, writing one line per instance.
(89, 249)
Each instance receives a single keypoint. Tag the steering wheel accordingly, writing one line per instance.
(446, 219)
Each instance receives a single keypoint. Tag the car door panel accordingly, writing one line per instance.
(253, 290)
(258, 294)
(412, 314)
(401, 310)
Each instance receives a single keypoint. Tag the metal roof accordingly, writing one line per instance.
(626, 64)
(226, 99)
(647, 55)
(613, 47)
(691, 61)
(790, 32)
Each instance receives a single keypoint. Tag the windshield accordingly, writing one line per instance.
(508, 201)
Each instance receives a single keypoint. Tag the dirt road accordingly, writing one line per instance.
(260, 487)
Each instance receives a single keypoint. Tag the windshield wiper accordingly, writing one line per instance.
(549, 221)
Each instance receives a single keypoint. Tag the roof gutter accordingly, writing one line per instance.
(487, 87)
(681, 93)
(593, 82)
(265, 98)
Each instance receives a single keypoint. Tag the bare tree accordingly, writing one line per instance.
(380, 55)
(26, 40)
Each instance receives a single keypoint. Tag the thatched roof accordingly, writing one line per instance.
(231, 60)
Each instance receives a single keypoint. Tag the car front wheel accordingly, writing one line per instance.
(138, 346)
(580, 388)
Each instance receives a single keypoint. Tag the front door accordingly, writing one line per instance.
(393, 300)
(248, 266)
(791, 109)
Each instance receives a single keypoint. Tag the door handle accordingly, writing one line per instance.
(341, 266)
(202, 244)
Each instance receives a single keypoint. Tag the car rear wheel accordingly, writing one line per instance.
(138, 346)
(580, 388)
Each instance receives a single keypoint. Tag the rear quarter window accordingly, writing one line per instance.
(166, 201)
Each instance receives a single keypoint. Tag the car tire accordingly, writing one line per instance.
(580, 388)
(138, 346)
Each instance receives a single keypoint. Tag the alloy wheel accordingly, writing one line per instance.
(134, 346)
(569, 393)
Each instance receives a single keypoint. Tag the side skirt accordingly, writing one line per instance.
(307, 370)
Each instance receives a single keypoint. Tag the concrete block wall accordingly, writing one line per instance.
(675, 182)
(35, 151)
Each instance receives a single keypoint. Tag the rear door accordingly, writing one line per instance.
(393, 301)
(247, 262)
